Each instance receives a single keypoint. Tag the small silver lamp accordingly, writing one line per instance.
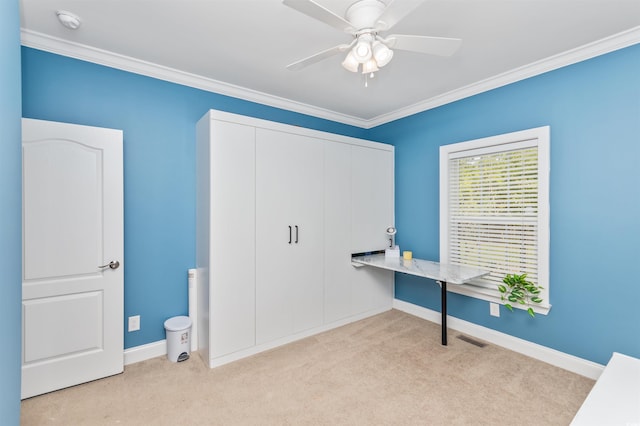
(391, 232)
(393, 251)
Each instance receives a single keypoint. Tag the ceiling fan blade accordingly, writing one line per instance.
(321, 13)
(440, 46)
(395, 12)
(317, 57)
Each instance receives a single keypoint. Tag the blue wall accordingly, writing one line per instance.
(593, 108)
(158, 119)
(10, 213)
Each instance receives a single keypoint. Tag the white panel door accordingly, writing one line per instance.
(72, 300)
(289, 234)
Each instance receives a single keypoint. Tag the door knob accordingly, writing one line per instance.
(114, 264)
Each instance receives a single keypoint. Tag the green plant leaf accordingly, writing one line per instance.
(519, 290)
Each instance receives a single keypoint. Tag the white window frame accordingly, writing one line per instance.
(540, 137)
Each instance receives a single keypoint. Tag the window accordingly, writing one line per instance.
(494, 210)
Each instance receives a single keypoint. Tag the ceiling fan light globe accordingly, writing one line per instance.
(382, 54)
(350, 63)
(362, 51)
(369, 67)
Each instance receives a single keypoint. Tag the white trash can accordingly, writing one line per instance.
(178, 338)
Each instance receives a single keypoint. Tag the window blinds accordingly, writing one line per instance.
(493, 211)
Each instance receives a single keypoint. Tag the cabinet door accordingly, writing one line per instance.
(372, 212)
(289, 234)
(339, 274)
(373, 198)
(232, 250)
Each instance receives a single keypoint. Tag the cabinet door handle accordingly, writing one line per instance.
(289, 234)
(296, 234)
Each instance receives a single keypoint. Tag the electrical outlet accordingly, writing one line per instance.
(134, 323)
(494, 309)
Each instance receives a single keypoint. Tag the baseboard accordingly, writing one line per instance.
(565, 361)
(159, 348)
(144, 352)
(235, 356)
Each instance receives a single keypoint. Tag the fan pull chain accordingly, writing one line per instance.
(367, 77)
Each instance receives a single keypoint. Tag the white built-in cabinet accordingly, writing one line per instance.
(289, 234)
(279, 211)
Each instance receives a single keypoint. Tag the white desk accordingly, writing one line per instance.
(441, 273)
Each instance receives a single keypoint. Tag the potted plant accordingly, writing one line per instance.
(519, 290)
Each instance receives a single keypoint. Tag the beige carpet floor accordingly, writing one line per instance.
(389, 369)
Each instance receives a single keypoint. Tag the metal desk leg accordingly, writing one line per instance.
(443, 310)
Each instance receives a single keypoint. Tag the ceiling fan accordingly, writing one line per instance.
(364, 20)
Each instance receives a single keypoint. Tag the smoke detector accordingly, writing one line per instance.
(69, 19)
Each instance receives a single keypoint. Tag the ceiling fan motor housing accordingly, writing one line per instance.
(364, 14)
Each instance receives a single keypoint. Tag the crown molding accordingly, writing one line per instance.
(83, 52)
(579, 54)
(75, 50)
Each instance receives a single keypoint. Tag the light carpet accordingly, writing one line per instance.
(389, 369)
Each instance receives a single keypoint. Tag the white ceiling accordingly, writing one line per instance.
(241, 47)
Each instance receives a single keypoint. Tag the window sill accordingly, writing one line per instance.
(494, 297)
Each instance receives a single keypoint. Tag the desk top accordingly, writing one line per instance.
(451, 274)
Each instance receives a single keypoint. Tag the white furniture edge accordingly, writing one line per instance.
(615, 398)
(75, 50)
(565, 361)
